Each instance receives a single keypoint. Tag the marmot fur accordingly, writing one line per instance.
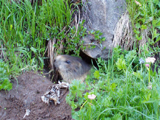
(70, 68)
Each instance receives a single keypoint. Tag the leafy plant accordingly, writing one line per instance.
(73, 39)
(119, 95)
(97, 35)
(145, 15)
(76, 92)
(25, 29)
(4, 77)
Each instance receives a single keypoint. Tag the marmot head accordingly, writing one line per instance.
(70, 67)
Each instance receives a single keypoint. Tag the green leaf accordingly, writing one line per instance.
(93, 46)
(130, 118)
(117, 117)
(100, 33)
(121, 64)
(6, 85)
(143, 27)
(97, 37)
(139, 38)
(138, 25)
(136, 31)
(155, 34)
(42, 62)
(34, 49)
(157, 39)
(138, 74)
(103, 38)
(130, 56)
(154, 22)
(113, 86)
(96, 74)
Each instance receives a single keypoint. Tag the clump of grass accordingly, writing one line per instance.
(121, 88)
(144, 16)
(4, 76)
(25, 29)
(125, 86)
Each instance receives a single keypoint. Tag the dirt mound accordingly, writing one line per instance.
(26, 94)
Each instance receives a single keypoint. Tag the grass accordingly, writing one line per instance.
(124, 88)
(145, 16)
(25, 30)
(122, 91)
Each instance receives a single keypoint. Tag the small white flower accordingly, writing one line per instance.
(92, 96)
(150, 60)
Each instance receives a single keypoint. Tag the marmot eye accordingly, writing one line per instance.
(67, 61)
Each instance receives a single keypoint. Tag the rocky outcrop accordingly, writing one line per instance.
(101, 15)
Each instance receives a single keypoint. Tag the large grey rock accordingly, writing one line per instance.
(101, 15)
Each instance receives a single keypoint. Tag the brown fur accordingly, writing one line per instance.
(71, 68)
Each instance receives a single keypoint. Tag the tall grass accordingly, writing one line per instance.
(145, 16)
(125, 89)
(25, 29)
(122, 91)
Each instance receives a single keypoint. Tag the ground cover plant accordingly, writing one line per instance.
(122, 88)
(144, 15)
(4, 79)
(26, 28)
(127, 85)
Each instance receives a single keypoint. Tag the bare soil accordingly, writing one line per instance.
(26, 94)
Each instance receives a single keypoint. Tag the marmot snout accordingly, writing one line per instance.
(71, 68)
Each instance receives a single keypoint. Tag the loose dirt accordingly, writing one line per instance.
(26, 94)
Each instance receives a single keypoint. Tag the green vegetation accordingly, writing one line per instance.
(124, 87)
(123, 90)
(127, 86)
(4, 77)
(25, 30)
(144, 15)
